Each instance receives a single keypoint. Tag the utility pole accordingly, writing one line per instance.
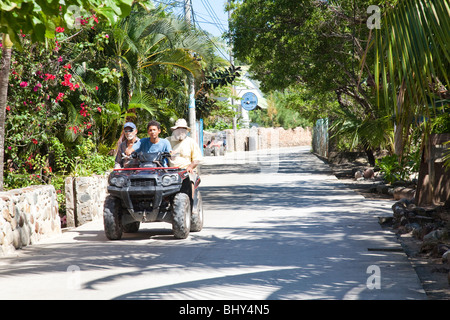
(192, 118)
(233, 91)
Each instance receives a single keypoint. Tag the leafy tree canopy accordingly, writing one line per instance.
(40, 18)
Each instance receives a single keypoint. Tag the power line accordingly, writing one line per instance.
(213, 15)
(203, 19)
(209, 39)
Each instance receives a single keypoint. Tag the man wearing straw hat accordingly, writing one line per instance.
(185, 151)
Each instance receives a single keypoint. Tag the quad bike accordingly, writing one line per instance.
(152, 193)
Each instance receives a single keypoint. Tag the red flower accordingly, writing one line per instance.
(8, 108)
(24, 84)
(49, 76)
(83, 110)
(59, 29)
(67, 66)
(59, 97)
(34, 141)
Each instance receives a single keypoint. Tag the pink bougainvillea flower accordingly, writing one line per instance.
(99, 109)
(9, 148)
(24, 84)
(37, 86)
(106, 36)
(60, 59)
(59, 97)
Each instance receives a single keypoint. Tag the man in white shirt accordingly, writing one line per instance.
(185, 151)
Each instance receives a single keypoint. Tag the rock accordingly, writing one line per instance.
(368, 174)
(17, 241)
(385, 220)
(399, 209)
(7, 215)
(417, 210)
(446, 257)
(417, 232)
(413, 227)
(436, 235)
(383, 189)
(404, 193)
(358, 174)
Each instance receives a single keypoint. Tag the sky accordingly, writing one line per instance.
(208, 15)
(211, 15)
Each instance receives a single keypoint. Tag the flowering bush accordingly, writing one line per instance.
(50, 111)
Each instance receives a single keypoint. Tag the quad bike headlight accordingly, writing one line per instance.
(118, 181)
(169, 179)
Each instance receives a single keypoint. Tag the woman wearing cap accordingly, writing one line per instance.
(130, 135)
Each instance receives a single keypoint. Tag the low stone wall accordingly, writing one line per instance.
(27, 215)
(268, 138)
(84, 199)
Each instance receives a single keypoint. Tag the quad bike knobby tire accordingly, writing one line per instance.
(181, 224)
(112, 219)
(197, 214)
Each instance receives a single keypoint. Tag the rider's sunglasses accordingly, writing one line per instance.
(129, 130)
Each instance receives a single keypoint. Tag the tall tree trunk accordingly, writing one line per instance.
(5, 64)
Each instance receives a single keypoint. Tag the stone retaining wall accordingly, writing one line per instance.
(27, 215)
(84, 199)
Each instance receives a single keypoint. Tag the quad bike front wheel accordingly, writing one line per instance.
(181, 224)
(112, 219)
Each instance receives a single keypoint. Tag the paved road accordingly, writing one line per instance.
(278, 226)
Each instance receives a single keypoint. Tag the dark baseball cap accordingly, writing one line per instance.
(130, 124)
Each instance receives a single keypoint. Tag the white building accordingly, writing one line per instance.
(248, 85)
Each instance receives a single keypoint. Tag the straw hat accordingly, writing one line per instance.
(181, 123)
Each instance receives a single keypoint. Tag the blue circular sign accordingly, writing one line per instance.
(249, 101)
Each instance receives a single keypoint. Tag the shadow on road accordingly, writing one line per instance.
(313, 245)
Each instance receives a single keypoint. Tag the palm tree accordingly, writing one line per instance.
(146, 42)
(412, 59)
(154, 52)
